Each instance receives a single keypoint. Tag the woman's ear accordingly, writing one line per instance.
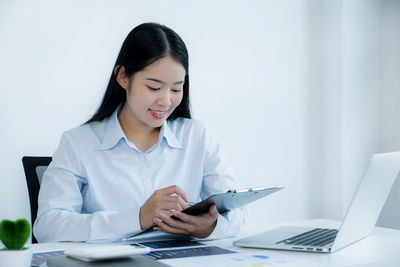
(122, 79)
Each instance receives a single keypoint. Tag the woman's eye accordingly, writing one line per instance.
(153, 88)
(176, 90)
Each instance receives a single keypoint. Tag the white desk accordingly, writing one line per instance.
(381, 248)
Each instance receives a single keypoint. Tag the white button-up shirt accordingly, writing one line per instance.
(98, 180)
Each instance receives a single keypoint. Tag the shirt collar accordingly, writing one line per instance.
(114, 133)
(169, 136)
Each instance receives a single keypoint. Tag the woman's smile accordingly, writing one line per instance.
(158, 114)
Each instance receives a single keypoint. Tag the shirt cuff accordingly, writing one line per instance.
(109, 226)
(220, 228)
(127, 222)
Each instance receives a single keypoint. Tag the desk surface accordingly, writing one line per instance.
(381, 248)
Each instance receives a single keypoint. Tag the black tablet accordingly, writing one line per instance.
(229, 200)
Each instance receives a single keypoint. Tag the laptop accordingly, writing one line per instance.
(358, 222)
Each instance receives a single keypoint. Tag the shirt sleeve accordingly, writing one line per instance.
(218, 177)
(59, 216)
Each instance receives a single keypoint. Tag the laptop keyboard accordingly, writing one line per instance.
(317, 237)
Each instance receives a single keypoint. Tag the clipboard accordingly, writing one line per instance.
(230, 200)
(223, 201)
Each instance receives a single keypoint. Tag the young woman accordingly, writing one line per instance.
(140, 158)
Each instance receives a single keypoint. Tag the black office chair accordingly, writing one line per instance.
(34, 169)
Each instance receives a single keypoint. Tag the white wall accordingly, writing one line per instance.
(251, 83)
(390, 99)
(331, 109)
(360, 90)
(351, 92)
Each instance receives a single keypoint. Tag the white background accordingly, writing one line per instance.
(299, 93)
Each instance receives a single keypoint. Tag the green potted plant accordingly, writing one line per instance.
(13, 235)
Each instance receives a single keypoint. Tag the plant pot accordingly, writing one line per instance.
(20, 258)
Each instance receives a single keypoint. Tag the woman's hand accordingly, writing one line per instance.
(196, 226)
(162, 201)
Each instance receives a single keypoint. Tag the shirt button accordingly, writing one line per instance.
(144, 160)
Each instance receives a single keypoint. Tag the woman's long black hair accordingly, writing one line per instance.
(145, 44)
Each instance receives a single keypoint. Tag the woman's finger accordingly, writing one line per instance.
(183, 204)
(185, 218)
(176, 223)
(170, 205)
(174, 190)
(164, 227)
(213, 212)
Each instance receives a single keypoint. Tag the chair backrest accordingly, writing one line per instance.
(34, 168)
